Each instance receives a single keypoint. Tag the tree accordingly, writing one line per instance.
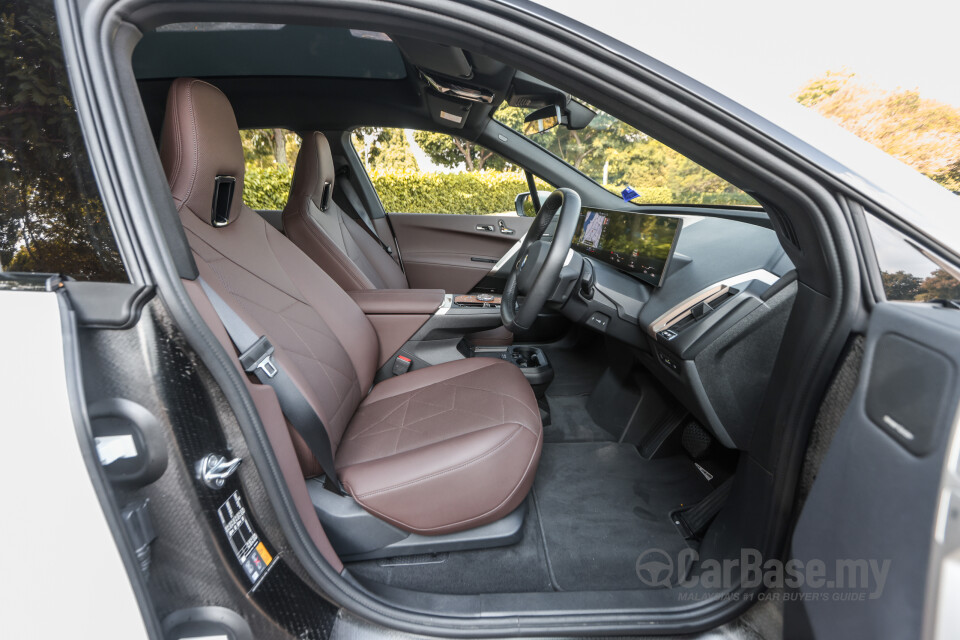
(268, 147)
(901, 285)
(279, 147)
(920, 132)
(52, 217)
(450, 151)
(383, 148)
(940, 285)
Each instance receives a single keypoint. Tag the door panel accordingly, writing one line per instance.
(876, 494)
(453, 252)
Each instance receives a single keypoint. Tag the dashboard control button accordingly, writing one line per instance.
(668, 361)
(598, 321)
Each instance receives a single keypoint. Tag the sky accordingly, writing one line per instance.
(759, 52)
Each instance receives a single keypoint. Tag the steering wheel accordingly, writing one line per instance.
(536, 272)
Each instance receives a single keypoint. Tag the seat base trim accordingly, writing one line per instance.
(356, 534)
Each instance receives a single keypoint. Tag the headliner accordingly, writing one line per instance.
(305, 78)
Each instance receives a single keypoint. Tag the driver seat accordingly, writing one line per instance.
(317, 224)
(437, 450)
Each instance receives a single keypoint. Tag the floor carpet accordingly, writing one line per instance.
(601, 505)
(596, 506)
(570, 422)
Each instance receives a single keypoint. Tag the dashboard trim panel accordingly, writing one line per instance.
(708, 294)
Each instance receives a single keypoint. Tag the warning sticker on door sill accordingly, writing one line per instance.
(249, 550)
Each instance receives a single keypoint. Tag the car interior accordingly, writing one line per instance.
(515, 407)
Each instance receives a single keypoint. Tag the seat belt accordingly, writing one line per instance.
(351, 195)
(256, 357)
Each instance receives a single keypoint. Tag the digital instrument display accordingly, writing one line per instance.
(639, 243)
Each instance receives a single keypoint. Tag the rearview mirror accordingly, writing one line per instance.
(541, 120)
(524, 203)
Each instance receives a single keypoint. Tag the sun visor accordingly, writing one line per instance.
(448, 112)
(450, 61)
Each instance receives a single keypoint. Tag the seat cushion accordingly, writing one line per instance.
(445, 448)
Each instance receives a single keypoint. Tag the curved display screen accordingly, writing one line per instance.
(638, 243)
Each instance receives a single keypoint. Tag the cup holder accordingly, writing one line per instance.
(528, 357)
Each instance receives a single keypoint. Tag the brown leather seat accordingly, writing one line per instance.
(441, 449)
(324, 232)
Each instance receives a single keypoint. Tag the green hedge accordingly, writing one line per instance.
(267, 187)
(407, 192)
(470, 192)
(476, 192)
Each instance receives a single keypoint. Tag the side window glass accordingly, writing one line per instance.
(52, 219)
(428, 172)
(269, 156)
(907, 273)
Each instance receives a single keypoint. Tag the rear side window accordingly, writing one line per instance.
(52, 219)
(428, 172)
(269, 156)
(908, 274)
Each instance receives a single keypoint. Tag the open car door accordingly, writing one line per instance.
(880, 522)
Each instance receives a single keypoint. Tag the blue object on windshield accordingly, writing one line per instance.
(629, 194)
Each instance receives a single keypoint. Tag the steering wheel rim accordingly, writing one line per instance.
(519, 316)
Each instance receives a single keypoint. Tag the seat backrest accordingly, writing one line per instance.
(328, 235)
(322, 338)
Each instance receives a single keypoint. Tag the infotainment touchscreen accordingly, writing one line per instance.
(639, 243)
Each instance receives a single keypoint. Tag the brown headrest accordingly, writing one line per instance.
(201, 151)
(314, 170)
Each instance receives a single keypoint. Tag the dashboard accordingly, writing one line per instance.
(702, 301)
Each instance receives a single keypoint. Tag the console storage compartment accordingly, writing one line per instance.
(532, 361)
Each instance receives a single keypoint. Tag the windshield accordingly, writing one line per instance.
(618, 157)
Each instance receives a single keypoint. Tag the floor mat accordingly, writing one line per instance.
(570, 422)
(596, 506)
(601, 505)
(576, 370)
(519, 568)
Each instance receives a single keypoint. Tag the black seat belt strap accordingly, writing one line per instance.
(351, 195)
(534, 193)
(256, 357)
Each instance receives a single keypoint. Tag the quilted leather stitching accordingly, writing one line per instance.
(534, 458)
(478, 458)
(425, 416)
(334, 387)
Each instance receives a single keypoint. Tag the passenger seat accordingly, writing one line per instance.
(316, 224)
(438, 450)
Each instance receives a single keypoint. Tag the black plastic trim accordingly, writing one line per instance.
(125, 544)
(108, 305)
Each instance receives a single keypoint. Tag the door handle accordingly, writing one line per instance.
(484, 227)
(505, 229)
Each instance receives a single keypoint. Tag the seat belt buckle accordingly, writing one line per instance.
(401, 365)
(259, 356)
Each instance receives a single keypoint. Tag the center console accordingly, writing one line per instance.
(420, 328)
(532, 361)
